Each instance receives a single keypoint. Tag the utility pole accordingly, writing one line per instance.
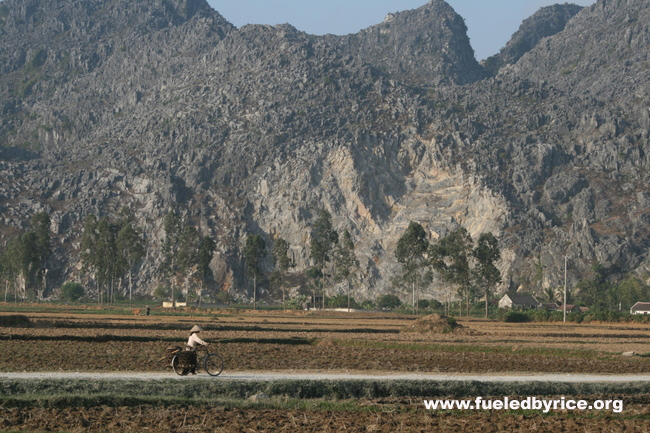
(565, 261)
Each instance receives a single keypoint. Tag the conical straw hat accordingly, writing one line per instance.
(196, 328)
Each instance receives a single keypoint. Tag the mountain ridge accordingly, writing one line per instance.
(255, 129)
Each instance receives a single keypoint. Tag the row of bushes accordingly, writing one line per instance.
(541, 315)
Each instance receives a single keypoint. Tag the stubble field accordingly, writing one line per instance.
(94, 340)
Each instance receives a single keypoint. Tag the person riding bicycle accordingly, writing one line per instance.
(192, 344)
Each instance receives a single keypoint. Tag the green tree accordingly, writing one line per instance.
(130, 246)
(596, 292)
(23, 261)
(450, 258)
(411, 248)
(205, 254)
(632, 290)
(3, 272)
(72, 291)
(281, 263)
(342, 301)
(254, 253)
(323, 240)
(345, 262)
(388, 302)
(550, 294)
(486, 274)
(171, 245)
(109, 262)
(7, 270)
(162, 292)
(40, 223)
(188, 255)
(89, 259)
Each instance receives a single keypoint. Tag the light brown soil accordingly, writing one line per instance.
(280, 341)
(387, 415)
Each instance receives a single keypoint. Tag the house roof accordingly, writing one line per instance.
(570, 308)
(641, 306)
(551, 306)
(522, 299)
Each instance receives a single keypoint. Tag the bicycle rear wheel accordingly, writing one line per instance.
(213, 364)
(179, 369)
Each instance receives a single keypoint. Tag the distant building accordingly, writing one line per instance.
(551, 306)
(640, 308)
(167, 304)
(571, 308)
(518, 300)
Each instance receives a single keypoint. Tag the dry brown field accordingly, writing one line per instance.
(273, 340)
(96, 340)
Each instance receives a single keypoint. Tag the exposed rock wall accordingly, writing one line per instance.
(164, 105)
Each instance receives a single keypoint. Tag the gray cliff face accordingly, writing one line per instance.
(163, 105)
(546, 22)
(425, 46)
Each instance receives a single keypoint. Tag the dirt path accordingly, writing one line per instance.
(319, 375)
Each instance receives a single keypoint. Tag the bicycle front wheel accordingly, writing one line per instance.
(213, 364)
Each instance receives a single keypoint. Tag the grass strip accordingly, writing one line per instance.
(275, 402)
(65, 392)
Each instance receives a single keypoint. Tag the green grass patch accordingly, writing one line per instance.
(84, 392)
(274, 402)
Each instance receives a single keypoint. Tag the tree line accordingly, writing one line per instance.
(24, 261)
(112, 251)
(332, 255)
(460, 265)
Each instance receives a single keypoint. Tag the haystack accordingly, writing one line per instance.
(326, 342)
(433, 324)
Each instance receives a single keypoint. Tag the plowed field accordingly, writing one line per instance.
(289, 341)
(97, 341)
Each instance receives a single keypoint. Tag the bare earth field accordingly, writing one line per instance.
(388, 417)
(93, 340)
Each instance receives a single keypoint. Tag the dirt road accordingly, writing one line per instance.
(319, 375)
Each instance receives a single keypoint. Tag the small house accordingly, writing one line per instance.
(640, 308)
(518, 300)
(551, 306)
(571, 308)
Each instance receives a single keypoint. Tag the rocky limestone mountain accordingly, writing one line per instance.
(162, 104)
(546, 22)
(425, 46)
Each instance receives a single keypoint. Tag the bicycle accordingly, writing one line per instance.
(185, 361)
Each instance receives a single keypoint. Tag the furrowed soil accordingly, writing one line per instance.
(386, 415)
(91, 341)
(97, 340)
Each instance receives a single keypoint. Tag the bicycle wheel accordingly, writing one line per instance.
(213, 364)
(178, 369)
